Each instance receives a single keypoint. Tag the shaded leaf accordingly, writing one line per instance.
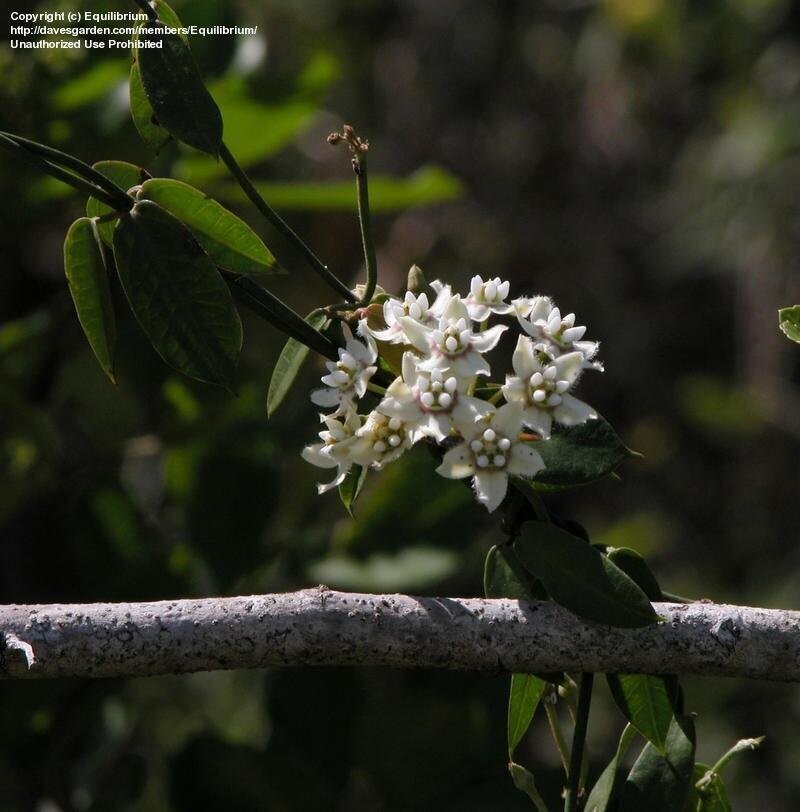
(173, 86)
(87, 278)
(125, 175)
(578, 455)
(500, 581)
(144, 119)
(524, 697)
(789, 321)
(180, 300)
(523, 781)
(662, 782)
(602, 794)
(289, 362)
(646, 701)
(709, 794)
(635, 567)
(226, 238)
(351, 486)
(581, 579)
(428, 186)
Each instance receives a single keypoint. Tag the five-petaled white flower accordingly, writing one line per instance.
(381, 440)
(334, 450)
(429, 403)
(413, 307)
(490, 452)
(451, 346)
(542, 385)
(348, 377)
(487, 297)
(545, 324)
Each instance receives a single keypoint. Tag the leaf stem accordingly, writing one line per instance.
(365, 222)
(558, 734)
(280, 315)
(282, 226)
(59, 174)
(125, 201)
(578, 743)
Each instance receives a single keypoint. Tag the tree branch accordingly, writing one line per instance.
(324, 627)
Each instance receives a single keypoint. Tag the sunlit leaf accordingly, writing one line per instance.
(226, 238)
(288, 365)
(602, 794)
(581, 579)
(173, 85)
(578, 455)
(526, 693)
(662, 782)
(125, 175)
(90, 86)
(87, 278)
(144, 119)
(646, 702)
(351, 486)
(789, 321)
(177, 295)
(427, 186)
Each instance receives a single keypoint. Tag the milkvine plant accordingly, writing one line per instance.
(401, 370)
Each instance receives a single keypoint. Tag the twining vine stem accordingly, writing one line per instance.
(578, 743)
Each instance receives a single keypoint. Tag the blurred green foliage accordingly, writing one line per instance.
(636, 159)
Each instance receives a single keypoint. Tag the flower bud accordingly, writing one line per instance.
(416, 280)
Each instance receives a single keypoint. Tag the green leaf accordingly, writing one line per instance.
(647, 704)
(582, 579)
(125, 175)
(180, 300)
(602, 793)
(523, 781)
(500, 581)
(526, 693)
(662, 782)
(144, 119)
(635, 567)
(789, 322)
(227, 239)
(428, 186)
(173, 86)
(93, 84)
(351, 486)
(87, 278)
(578, 455)
(289, 363)
(709, 794)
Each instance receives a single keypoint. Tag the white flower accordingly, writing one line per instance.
(413, 307)
(522, 306)
(430, 403)
(491, 452)
(545, 324)
(451, 346)
(541, 386)
(487, 297)
(381, 440)
(334, 450)
(347, 378)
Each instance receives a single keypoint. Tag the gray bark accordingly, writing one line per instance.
(324, 627)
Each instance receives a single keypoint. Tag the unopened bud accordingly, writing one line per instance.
(416, 280)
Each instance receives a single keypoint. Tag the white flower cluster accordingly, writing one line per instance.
(433, 398)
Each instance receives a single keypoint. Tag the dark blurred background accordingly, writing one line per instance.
(636, 159)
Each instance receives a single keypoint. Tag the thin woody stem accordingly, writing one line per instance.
(365, 222)
(282, 226)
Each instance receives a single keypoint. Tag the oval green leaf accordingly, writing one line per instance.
(789, 322)
(635, 567)
(602, 794)
(176, 92)
(144, 119)
(646, 702)
(124, 175)
(288, 365)
(351, 486)
(662, 782)
(578, 455)
(582, 579)
(500, 581)
(87, 278)
(227, 239)
(526, 692)
(180, 300)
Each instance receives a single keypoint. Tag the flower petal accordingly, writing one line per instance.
(457, 463)
(573, 412)
(508, 420)
(525, 460)
(487, 340)
(490, 488)
(523, 359)
(316, 455)
(538, 420)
